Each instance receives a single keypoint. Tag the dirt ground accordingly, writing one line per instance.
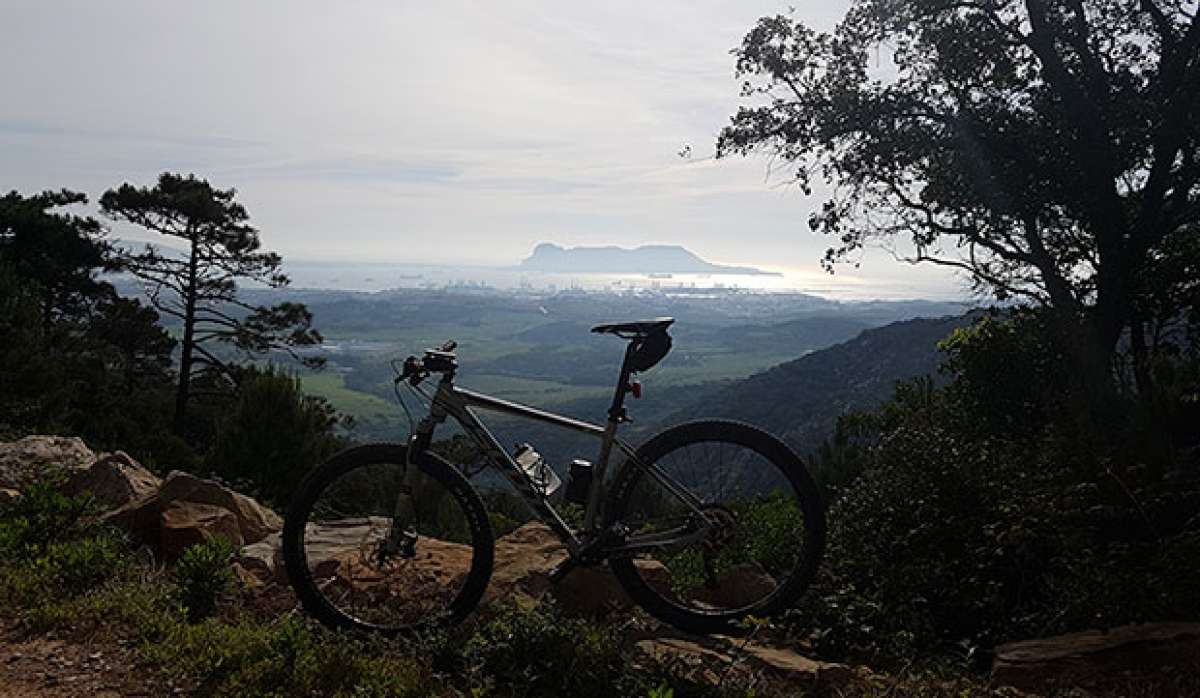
(55, 668)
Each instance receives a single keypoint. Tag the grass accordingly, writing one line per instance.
(332, 387)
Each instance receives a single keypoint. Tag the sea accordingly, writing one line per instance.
(358, 276)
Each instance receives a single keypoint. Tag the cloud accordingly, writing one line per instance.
(371, 129)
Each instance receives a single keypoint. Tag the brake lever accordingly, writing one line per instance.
(413, 368)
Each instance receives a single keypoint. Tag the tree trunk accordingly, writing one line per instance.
(1141, 357)
(183, 390)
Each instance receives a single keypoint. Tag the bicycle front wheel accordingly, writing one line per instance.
(366, 549)
(765, 526)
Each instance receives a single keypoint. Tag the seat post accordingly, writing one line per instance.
(616, 413)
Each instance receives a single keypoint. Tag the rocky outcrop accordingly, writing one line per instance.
(523, 559)
(115, 480)
(526, 557)
(27, 460)
(161, 520)
(1082, 658)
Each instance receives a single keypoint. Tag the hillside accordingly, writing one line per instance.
(801, 400)
(647, 259)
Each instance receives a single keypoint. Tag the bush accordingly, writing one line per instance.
(547, 654)
(272, 435)
(989, 510)
(52, 547)
(204, 575)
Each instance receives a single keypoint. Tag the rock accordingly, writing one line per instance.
(144, 518)
(263, 561)
(523, 561)
(521, 573)
(791, 667)
(115, 479)
(184, 524)
(255, 520)
(24, 461)
(690, 658)
(1093, 655)
(526, 557)
(709, 659)
(742, 585)
(7, 495)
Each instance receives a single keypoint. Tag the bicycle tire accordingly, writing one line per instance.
(774, 451)
(442, 472)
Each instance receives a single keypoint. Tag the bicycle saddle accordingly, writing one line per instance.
(635, 330)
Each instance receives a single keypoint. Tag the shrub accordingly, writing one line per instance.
(203, 574)
(272, 435)
(988, 511)
(53, 547)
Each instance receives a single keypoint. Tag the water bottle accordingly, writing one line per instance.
(541, 475)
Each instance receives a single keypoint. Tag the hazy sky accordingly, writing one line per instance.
(412, 131)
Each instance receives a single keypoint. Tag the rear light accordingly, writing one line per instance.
(636, 388)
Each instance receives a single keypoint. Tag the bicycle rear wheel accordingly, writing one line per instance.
(766, 534)
(357, 563)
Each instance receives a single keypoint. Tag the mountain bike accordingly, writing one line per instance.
(706, 523)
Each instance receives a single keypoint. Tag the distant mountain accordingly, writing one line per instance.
(647, 259)
(801, 400)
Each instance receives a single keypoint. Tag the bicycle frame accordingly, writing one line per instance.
(458, 403)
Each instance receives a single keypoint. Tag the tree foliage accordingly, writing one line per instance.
(986, 510)
(76, 357)
(61, 252)
(271, 434)
(1050, 150)
(199, 287)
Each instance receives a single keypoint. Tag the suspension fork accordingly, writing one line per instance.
(402, 529)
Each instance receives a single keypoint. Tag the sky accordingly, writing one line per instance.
(451, 132)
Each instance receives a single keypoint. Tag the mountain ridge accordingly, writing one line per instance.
(800, 400)
(644, 259)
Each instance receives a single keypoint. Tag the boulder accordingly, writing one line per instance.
(740, 586)
(26, 460)
(255, 520)
(262, 562)
(184, 524)
(144, 518)
(115, 479)
(526, 557)
(1081, 658)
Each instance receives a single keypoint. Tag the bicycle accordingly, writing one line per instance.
(696, 546)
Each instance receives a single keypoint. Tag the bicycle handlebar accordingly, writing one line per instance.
(440, 360)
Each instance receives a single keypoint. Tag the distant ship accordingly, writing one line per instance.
(659, 275)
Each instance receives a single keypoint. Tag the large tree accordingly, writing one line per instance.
(198, 287)
(62, 253)
(76, 357)
(1051, 150)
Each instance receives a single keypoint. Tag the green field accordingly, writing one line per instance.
(331, 386)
